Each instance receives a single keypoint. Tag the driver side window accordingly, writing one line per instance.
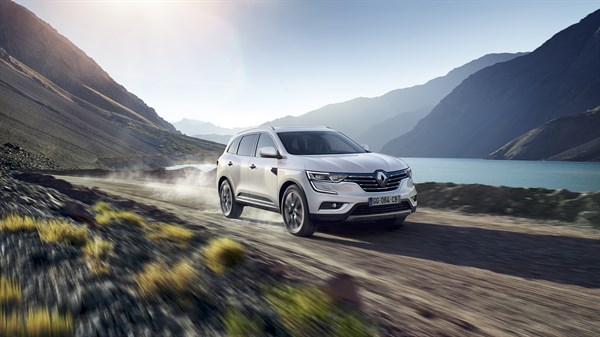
(265, 140)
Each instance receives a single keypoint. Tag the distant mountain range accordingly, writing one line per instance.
(58, 104)
(507, 100)
(206, 130)
(196, 127)
(377, 120)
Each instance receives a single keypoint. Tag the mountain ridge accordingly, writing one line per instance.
(355, 117)
(501, 102)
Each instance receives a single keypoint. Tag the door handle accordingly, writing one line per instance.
(229, 163)
(252, 166)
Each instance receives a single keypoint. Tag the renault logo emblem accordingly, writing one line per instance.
(382, 178)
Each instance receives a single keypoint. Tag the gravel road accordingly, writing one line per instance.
(442, 274)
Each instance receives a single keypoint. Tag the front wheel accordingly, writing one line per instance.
(295, 213)
(230, 208)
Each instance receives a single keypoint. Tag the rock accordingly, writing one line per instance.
(342, 290)
(78, 213)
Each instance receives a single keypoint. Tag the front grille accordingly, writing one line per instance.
(369, 184)
(370, 210)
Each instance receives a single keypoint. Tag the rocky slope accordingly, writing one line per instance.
(43, 49)
(501, 102)
(362, 118)
(70, 114)
(575, 137)
(105, 293)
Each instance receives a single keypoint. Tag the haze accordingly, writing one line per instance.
(239, 63)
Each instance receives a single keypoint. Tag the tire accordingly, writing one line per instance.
(229, 207)
(294, 210)
(393, 223)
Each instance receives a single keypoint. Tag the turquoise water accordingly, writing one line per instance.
(573, 176)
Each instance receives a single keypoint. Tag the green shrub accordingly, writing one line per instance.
(239, 325)
(308, 311)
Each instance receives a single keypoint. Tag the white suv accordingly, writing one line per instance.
(311, 176)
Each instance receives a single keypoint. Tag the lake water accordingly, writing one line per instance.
(573, 176)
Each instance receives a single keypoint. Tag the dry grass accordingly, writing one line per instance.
(223, 253)
(159, 279)
(170, 232)
(97, 252)
(107, 215)
(39, 322)
(18, 223)
(60, 230)
(101, 207)
(10, 292)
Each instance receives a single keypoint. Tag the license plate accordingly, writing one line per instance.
(378, 201)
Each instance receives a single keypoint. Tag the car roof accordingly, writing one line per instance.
(285, 129)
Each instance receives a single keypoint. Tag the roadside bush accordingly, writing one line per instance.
(40, 322)
(159, 279)
(10, 292)
(308, 311)
(239, 325)
(170, 232)
(97, 252)
(223, 253)
(107, 215)
(60, 230)
(18, 223)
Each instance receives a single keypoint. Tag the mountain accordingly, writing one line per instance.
(575, 137)
(360, 118)
(196, 127)
(221, 139)
(60, 107)
(503, 101)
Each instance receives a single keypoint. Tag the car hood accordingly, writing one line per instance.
(352, 163)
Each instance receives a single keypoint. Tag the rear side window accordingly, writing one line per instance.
(234, 146)
(247, 145)
(265, 141)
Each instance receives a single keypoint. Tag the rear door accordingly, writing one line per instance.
(262, 175)
(245, 152)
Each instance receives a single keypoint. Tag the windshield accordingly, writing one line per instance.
(318, 143)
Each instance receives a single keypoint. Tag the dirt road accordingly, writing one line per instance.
(442, 274)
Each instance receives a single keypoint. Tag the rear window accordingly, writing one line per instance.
(318, 143)
(233, 147)
(247, 145)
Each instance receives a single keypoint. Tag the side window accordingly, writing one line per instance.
(247, 146)
(265, 141)
(234, 146)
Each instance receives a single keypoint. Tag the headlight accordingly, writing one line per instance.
(327, 177)
(321, 181)
(408, 172)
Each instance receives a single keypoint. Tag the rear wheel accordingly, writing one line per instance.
(230, 208)
(295, 213)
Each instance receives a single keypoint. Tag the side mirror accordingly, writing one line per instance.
(269, 152)
(366, 147)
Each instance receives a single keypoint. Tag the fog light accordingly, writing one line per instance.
(331, 205)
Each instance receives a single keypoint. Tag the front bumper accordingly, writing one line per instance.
(354, 203)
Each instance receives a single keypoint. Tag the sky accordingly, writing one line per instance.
(242, 63)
